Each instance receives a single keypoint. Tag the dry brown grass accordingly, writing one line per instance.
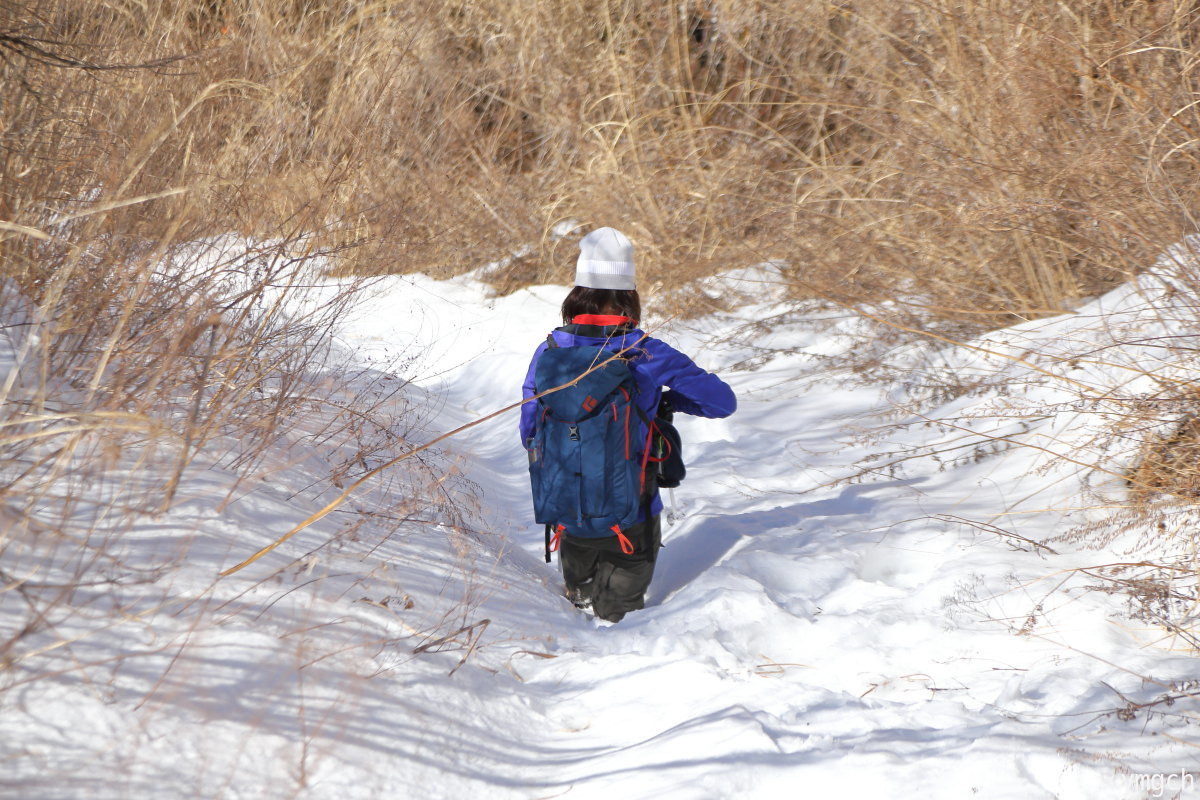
(1167, 463)
(987, 158)
(164, 214)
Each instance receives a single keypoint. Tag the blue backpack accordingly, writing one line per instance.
(586, 465)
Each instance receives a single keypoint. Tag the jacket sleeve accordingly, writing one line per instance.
(528, 390)
(693, 390)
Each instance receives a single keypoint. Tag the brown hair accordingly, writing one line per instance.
(585, 300)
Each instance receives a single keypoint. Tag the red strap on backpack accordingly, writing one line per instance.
(623, 540)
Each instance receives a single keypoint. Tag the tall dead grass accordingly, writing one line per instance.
(985, 159)
(167, 220)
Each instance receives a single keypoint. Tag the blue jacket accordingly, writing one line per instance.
(655, 365)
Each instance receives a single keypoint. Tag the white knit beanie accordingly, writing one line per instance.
(605, 260)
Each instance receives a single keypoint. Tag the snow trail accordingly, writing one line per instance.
(858, 638)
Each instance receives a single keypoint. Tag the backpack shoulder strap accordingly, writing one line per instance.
(550, 340)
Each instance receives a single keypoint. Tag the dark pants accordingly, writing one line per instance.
(597, 570)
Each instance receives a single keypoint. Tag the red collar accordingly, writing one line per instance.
(602, 319)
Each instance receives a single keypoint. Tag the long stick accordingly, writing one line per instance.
(341, 498)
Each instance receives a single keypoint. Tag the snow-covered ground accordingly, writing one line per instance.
(862, 593)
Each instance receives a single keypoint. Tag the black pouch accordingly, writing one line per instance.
(666, 448)
(671, 470)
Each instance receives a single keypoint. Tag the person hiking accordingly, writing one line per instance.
(608, 566)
